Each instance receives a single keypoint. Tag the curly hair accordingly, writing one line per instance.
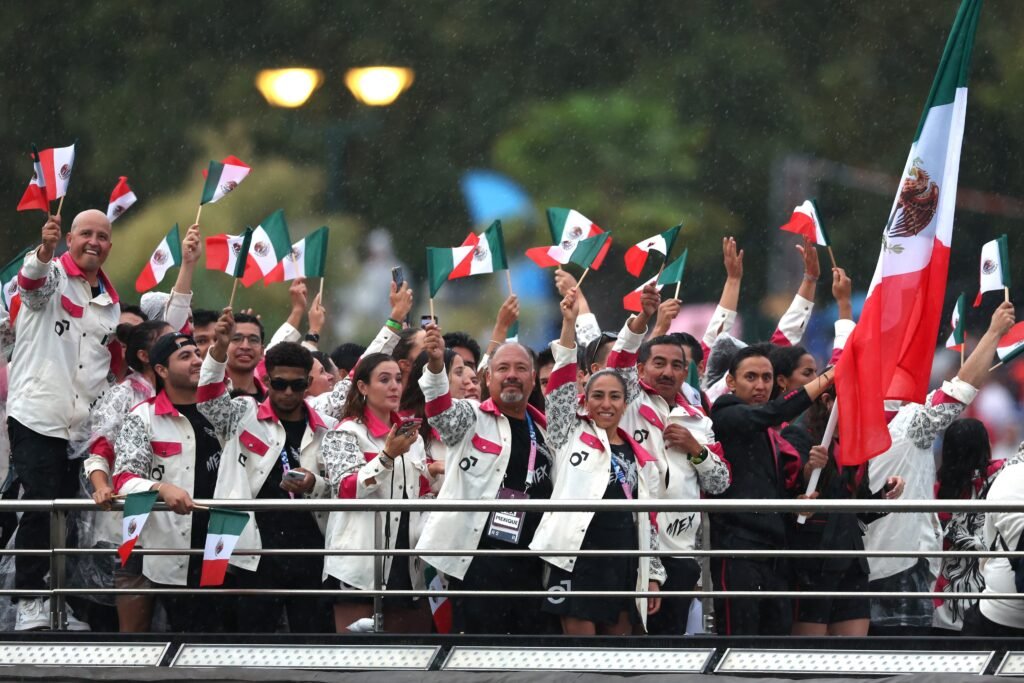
(288, 355)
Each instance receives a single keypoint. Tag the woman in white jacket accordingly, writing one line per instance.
(375, 454)
(594, 459)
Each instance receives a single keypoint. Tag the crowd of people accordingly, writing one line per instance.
(197, 404)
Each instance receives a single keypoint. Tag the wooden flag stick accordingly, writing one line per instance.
(234, 288)
(60, 205)
(677, 289)
(997, 365)
(831, 256)
(508, 279)
(579, 283)
(433, 318)
(962, 347)
(200, 507)
(321, 290)
(199, 213)
(1006, 290)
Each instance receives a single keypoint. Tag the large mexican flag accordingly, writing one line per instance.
(889, 355)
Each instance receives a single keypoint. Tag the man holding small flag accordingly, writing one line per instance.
(62, 356)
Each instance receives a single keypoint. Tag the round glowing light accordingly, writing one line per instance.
(288, 87)
(378, 86)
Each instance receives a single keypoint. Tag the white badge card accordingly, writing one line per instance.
(507, 526)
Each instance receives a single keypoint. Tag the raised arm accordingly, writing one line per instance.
(842, 292)
(213, 401)
(794, 321)
(587, 327)
(947, 403)
(725, 315)
(39, 277)
(332, 403)
(452, 418)
(179, 303)
(508, 314)
(623, 356)
(560, 395)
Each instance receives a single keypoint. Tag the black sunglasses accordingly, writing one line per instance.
(296, 385)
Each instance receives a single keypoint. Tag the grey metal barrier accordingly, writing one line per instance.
(58, 590)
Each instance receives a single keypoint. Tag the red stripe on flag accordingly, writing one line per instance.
(125, 549)
(801, 224)
(146, 280)
(217, 255)
(889, 355)
(213, 572)
(636, 258)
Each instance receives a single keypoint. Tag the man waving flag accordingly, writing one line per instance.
(889, 355)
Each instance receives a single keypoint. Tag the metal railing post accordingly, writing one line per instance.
(378, 574)
(58, 533)
(707, 605)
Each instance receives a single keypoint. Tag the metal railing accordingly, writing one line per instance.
(58, 590)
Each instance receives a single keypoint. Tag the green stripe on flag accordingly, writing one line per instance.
(821, 223)
(1004, 259)
(587, 250)
(139, 503)
(227, 522)
(670, 236)
(276, 228)
(174, 244)
(439, 267)
(673, 272)
(496, 241)
(243, 253)
(693, 376)
(556, 222)
(316, 253)
(955, 65)
(213, 174)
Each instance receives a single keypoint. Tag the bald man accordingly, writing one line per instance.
(59, 369)
(496, 449)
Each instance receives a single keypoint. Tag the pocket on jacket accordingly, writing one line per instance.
(485, 445)
(165, 449)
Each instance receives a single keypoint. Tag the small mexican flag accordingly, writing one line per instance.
(807, 222)
(673, 272)
(120, 199)
(221, 536)
(956, 339)
(568, 227)
(308, 259)
(166, 255)
(693, 376)
(9, 277)
(995, 267)
(137, 507)
(590, 252)
(440, 607)
(222, 177)
(477, 255)
(1012, 344)
(636, 255)
(270, 244)
(55, 166)
(224, 252)
(631, 302)
(35, 193)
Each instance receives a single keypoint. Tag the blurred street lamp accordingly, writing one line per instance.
(378, 86)
(288, 87)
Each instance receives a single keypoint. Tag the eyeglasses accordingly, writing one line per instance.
(253, 339)
(296, 385)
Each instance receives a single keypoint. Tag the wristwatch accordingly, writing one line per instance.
(313, 337)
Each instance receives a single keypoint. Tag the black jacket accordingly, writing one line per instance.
(763, 466)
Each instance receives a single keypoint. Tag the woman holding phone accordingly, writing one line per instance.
(375, 454)
(595, 459)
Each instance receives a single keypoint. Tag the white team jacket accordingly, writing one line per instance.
(61, 360)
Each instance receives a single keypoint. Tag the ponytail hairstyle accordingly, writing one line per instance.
(138, 338)
(355, 405)
(966, 451)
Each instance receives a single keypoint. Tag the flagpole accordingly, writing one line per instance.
(997, 365)
(677, 289)
(831, 255)
(962, 354)
(1006, 290)
(579, 282)
(826, 441)
(199, 213)
(234, 288)
(433, 318)
(508, 278)
(321, 290)
(60, 205)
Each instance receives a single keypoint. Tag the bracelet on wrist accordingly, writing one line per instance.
(700, 457)
(313, 337)
(393, 324)
(387, 460)
(809, 278)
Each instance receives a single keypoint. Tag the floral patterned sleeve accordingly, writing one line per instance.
(343, 459)
(452, 418)
(105, 423)
(655, 568)
(216, 405)
(38, 282)
(561, 399)
(941, 408)
(713, 474)
(133, 454)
